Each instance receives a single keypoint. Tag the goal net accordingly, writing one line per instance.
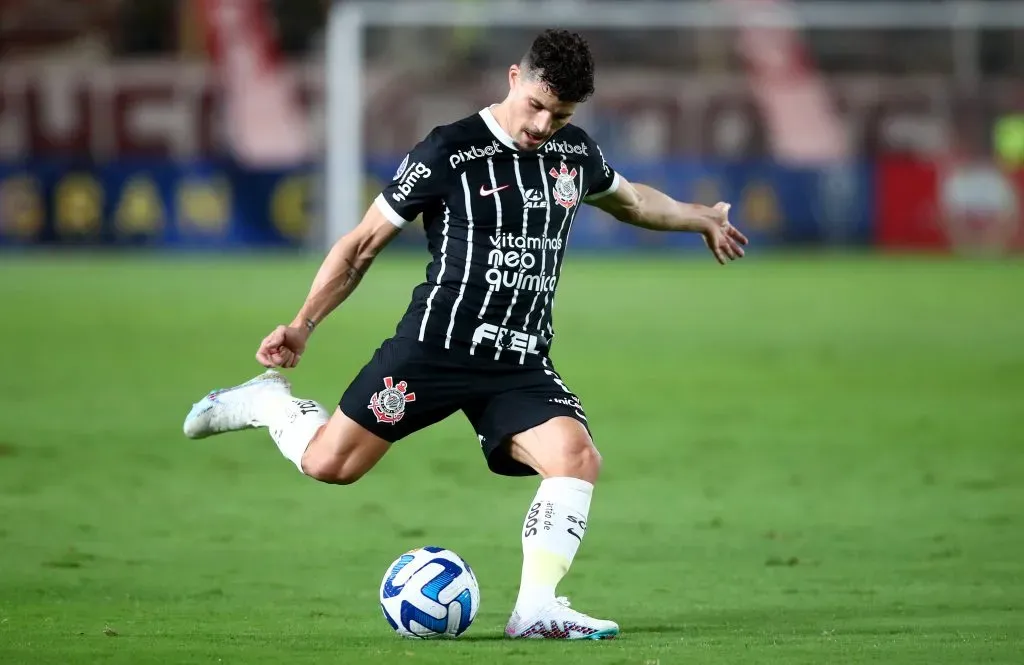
(781, 108)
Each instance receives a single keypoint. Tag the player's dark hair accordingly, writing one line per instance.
(562, 60)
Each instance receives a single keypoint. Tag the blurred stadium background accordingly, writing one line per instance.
(184, 123)
(812, 455)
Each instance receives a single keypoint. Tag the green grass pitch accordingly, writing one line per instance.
(814, 459)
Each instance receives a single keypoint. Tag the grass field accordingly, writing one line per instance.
(807, 460)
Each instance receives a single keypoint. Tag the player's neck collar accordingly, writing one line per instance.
(496, 128)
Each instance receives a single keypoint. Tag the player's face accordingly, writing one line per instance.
(535, 112)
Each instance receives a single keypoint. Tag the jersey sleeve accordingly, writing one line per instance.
(603, 180)
(417, 184)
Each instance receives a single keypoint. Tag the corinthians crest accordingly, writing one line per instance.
(389, 404)
(565, 186)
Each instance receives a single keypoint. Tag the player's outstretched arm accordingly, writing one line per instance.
(338, 276)
(344, 267)
(646, 207)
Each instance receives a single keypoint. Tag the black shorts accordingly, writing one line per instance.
(409, 385)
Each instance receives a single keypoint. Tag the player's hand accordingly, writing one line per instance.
(722, 238)
(283, 347)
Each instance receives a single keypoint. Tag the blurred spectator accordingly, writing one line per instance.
(56, 29)
(676, 90)
(146, 28)
(299, 24)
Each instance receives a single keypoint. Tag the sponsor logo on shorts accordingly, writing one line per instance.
(388, 405)
(573, 403)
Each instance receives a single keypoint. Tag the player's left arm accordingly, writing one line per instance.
(646, 207)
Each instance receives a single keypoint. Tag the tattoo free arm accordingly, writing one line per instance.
(646, 207)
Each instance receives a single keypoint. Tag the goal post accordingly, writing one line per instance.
(361, 68)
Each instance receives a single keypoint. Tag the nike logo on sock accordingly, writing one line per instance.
(488, 192)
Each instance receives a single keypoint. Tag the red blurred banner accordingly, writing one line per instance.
(970, 207)
(265, 124)
(791, 93)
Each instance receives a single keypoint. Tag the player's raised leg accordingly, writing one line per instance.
(332, 449)
(562, 452)
(343, 451)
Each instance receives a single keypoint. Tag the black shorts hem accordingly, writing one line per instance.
(407, 386)
(496, 452)
(358, 416)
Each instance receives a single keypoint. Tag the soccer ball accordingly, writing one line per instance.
(429, 592)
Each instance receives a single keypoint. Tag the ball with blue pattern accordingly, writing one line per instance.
(429, 592)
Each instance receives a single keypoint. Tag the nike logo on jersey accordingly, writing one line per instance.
(488, 192)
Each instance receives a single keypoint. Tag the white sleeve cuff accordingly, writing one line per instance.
(600, 195)
(389, 212)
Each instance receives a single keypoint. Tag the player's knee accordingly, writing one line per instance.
(335, 468)
(342, 452)
(315, 467)
(579, 459)
(333, 471)
(589, 459)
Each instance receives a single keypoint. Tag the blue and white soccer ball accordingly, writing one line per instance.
(429, 592)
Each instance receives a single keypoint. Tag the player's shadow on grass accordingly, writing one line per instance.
(656, 629)
(482, 637)
(680, 630)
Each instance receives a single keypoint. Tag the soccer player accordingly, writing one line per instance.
(497, 192)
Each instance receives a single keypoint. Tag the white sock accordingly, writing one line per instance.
(552, 533)
(292, 421)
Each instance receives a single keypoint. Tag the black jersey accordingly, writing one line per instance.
(496, 219)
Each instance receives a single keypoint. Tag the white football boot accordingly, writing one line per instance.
(557, 621)
(233, 409)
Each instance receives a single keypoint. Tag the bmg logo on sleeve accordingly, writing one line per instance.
(413, 174)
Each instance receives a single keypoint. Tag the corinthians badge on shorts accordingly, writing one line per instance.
(389, 404)
(565, 186)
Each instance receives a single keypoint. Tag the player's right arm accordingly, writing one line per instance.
(416, 186)
(339, 274)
